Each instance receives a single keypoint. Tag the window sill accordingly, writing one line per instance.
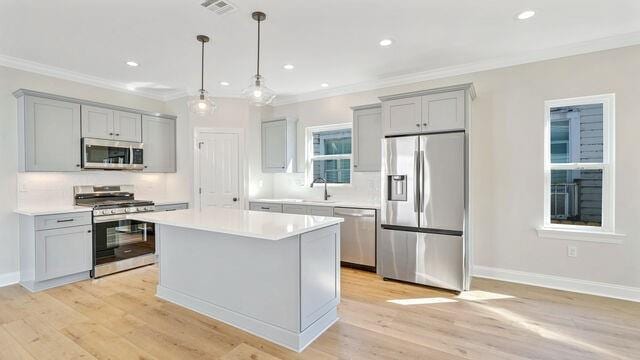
(581, 235)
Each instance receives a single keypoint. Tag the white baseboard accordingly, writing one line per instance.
(559, 283)
(9, 278)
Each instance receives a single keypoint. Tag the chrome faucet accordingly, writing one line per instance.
(326, 195)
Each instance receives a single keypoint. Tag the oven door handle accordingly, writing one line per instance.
(110, 218)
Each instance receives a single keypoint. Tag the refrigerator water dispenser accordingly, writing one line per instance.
(397, 190)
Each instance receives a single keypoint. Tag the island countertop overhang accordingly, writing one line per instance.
(254, 224)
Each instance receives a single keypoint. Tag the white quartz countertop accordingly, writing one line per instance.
(50, 210)
(330, 203)
(255, 224)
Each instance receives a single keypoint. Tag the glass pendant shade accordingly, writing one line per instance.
(202, 105)
(258, 93)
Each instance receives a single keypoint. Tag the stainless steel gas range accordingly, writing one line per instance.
(118, 243)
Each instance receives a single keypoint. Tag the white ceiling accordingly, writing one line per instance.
(332, 41)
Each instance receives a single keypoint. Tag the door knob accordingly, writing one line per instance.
(235, 199)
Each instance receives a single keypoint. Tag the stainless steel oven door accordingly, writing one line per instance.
(110, 154)
(117, 238)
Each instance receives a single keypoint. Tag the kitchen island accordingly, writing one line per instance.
(276, 276)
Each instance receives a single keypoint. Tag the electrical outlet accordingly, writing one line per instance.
(572, 251)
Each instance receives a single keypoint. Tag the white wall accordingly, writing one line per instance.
(507, 161)
(53, 188)
(230, 113)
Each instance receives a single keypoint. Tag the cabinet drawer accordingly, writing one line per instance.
(266, 207)
(57, 221)
(172, 207)
(320, 210)
(294, 209)
(62, 252)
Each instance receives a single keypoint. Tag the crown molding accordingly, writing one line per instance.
(60, 73)
(608, 43)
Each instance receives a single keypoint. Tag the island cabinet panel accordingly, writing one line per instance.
(319, 274)
(159, 138)
(248, 276)
(50, 135)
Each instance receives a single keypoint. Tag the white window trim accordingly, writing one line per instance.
(308, 141)
(606, 233)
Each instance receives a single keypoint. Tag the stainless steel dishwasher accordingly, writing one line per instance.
(357, 237)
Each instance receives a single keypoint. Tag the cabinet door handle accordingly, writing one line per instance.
(89, 231)
(117, 134)
(77, 165)
(111, 134)
(64, 220)
(264, 208)
(424, 124)
(418, 125)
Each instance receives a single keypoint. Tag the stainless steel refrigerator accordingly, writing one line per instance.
(423, 210)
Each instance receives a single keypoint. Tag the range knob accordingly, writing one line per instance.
(129, 210)
(112, 211)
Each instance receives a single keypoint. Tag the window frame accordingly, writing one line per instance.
(607, 166)
(310, 157)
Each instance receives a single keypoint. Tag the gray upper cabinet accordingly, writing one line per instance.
(97, 122)
(367, 136)
(435, 110)
(159, 138)
(101, 123)
(279, 146)
(127, 126)
(402, 116)
(443, 111)
(49, 137)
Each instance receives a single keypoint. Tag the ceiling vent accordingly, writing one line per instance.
(219, 7)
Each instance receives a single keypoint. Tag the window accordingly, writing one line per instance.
(329, 153)
(579, 135)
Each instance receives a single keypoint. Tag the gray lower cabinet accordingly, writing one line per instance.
(367, 137)
(61, 252)
(172, 207)
(269, 207)
(49, 138)
(279, 145)
(159, 138)
(55, 249)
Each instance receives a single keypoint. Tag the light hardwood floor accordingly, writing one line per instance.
(118, 317)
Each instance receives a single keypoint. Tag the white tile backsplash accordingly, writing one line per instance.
(37, 189)
(364, 187)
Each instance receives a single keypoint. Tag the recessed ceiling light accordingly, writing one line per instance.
(324, 85)
(288, 66)
(527, 14)
(132, 63)
(224, 83)
(386, 42)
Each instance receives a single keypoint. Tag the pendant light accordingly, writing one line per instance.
(202, 104)
(258, 93)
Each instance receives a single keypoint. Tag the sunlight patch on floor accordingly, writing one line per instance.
(422, 301)
(540, 330)
(477, 295)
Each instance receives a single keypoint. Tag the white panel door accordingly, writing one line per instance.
(219, 170)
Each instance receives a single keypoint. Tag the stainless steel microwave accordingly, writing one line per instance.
(111, 155)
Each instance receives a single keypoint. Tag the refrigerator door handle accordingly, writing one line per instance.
(422, 176)
(416, 190)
